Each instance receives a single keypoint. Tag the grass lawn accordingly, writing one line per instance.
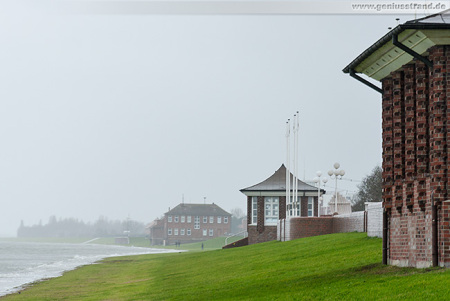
(344, 266)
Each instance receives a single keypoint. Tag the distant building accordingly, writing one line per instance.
(188, 223)
(156, 232)
(343, 205)
(266, 204)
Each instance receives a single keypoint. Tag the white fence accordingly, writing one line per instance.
(374, 219)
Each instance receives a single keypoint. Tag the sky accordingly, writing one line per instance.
(126, 115)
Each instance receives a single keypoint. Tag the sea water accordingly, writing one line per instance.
(22, 263)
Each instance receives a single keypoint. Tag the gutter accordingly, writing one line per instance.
(365, 82)
(388, 37)
(392, 36)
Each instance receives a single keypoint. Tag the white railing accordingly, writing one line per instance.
(242, 233)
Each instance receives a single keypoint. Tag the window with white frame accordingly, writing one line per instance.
(197, 222)
(310, 205)
(169, 231)
(181, 231)
(189, 219)
(225, 219)
(211, 232)
(271, 207)
(254, 210)
(219, 219)
(211, 219)
(176, 218)
(175, 231)
(205, 219)
(188, 232)
(205, 232)
(183, 218)
(169, 218)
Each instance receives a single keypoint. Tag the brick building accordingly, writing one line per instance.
(156, 232)
(412, 62)
(192, 223)
(266, 204)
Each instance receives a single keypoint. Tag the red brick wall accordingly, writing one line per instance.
(255, 236)
(310, 226)
(236, 244)
(300, 227)
(415, 158)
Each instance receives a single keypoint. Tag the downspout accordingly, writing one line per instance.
(385, 236)
(365, 222)
(362, 80)
(434, 232)
(410, 51)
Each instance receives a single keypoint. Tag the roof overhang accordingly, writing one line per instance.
(280, 193)
(383, 57)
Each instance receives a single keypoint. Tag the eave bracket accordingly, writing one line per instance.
(410, 51)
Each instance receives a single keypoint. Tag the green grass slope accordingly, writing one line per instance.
(331, 267)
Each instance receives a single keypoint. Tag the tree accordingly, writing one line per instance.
(237, 212)
(236, 219)
(369, 190)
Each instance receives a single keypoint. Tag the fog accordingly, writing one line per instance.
(125, 115)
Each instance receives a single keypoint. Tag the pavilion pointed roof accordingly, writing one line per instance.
(277, 182)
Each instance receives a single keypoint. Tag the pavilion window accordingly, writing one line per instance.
(271, 208)
(254, 210)
(310, 205)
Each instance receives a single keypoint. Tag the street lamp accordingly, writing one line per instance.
(336, 172)
(317, 180)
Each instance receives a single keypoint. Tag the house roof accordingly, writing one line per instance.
(198, 209)
(382, 58)
(277, 182)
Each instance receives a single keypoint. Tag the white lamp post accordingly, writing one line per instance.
(336, 172)
(325, 180)
(317, 180)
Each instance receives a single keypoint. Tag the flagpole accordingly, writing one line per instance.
(294, 176)
(296, 163)
(288, 150)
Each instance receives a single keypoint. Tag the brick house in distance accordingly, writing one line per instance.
(156, 232)
(412, 62)
(266, 204)
(188, 223)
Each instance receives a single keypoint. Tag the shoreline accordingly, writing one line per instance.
(68, 264)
